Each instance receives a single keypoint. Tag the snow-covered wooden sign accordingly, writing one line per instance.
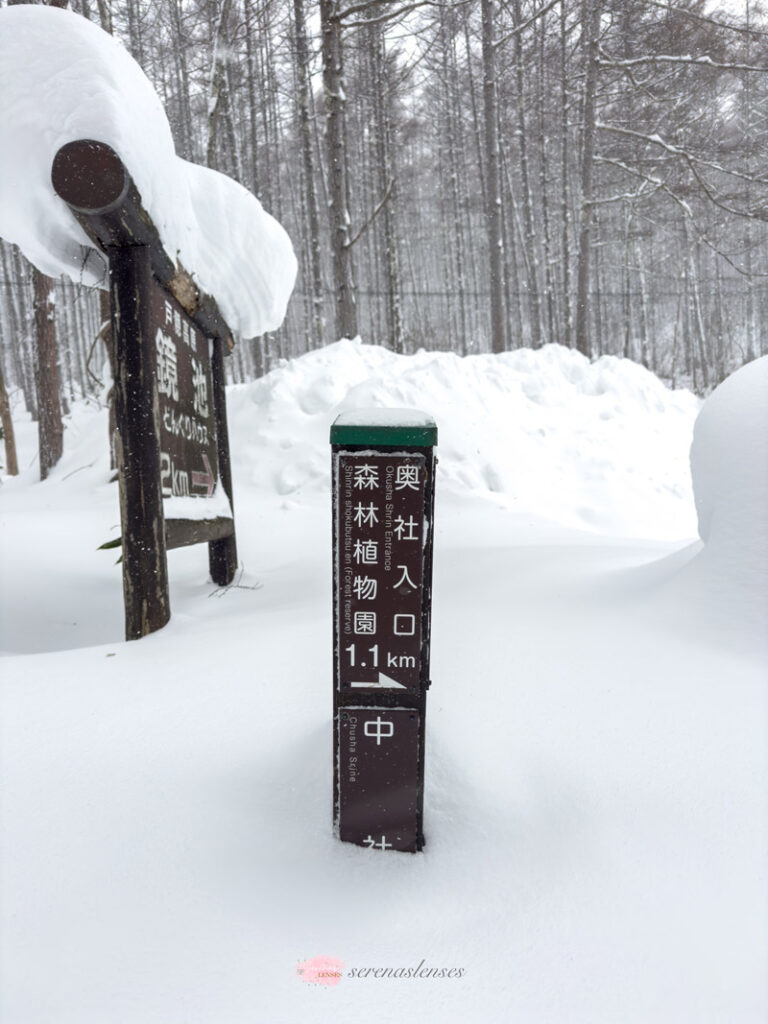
(170, 413)
(81, 122)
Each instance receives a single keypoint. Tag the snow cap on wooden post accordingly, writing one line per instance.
(64, 79)
(92, 179)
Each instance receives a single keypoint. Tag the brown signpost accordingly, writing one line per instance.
(383, 494)
(170, 411)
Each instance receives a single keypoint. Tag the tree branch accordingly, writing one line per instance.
(391, 15)
(665, 188)
(673, 150)
(704, 18)
(99, 337)
(662, 58)
(518, 29)
(372, 218)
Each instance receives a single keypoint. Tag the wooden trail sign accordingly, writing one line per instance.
(383, 515)
(170, 409)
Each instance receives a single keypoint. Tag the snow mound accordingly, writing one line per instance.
(601, 445)
(729, 465)
(62, 78)
(729, 461)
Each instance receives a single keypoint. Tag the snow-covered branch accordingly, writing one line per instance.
(704, 19)
(607, 61)
(678, 151)
(661, 186)
(387, 15)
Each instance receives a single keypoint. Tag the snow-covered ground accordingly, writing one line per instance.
(597, 735)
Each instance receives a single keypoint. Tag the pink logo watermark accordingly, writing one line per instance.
(321, 970)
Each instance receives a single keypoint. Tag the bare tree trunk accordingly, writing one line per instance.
(698, 319)
(626, 288)
(6, 422)
(135, 40)
(477, 127)
(24, 304)
(253, 117)
(15, 326)
(529, 246)
(223, 149)
(513, 289)
(596, 310)
(590, 26)
(50, 427)
(105, 15)
(452, 114)
(335, 137)
(182, 81)
(648, 353)
(217, 90)
(67, 336)
(720, 363)
(272, 112)
(493, 197)
(386, 185)
(310, 192)
(105, 329)
(544, 191)
(565, 156)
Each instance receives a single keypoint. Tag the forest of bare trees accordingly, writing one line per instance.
(470, 175)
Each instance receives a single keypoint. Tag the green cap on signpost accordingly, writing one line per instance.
(383, 527)
(387, 428)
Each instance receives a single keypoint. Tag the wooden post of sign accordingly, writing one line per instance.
(222, 553)
(145, 567)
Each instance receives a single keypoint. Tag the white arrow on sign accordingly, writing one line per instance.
(206, 479)
(384, 683)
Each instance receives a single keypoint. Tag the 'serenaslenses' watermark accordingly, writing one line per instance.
(422, 971)
(328, 970)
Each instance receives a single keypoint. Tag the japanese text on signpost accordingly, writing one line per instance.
(381, 564)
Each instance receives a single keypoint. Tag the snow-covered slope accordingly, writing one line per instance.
(63, 78)
(597, 749)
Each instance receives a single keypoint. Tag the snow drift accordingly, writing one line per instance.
(728, 577)
(62, 78)
(729, 463)
(598, 446)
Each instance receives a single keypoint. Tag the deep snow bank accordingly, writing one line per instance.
(729, 462)
(599, 445)
(63, 78)
(729, 465)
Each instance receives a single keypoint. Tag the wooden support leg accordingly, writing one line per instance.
(222, 554)
(145, 568)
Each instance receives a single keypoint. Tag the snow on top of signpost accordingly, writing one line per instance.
(62, 78)
(378, 417)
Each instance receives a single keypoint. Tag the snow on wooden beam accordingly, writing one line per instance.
(93, 181)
